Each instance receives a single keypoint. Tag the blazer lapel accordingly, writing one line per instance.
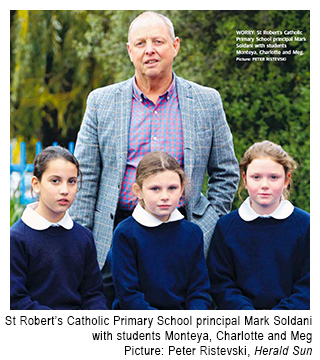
(187, 108)
(122, 113)
(186, 103)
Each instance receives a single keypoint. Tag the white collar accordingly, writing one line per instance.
(283, 210)
(37, 222)
(144, 218)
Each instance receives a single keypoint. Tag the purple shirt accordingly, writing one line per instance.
(153, 127)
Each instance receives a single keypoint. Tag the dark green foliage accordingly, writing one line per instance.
(57, 57)
(16, 210)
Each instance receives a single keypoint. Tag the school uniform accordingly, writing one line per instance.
(261, 262)
(159, 265)
(53, 265)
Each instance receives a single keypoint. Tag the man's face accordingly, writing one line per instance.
(151, 48)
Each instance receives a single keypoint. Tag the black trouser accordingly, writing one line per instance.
(108, 287)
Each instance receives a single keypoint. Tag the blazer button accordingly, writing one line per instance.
(111, 216)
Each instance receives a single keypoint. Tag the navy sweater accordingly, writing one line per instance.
(159, 267)
(261, 264)
(54, 269)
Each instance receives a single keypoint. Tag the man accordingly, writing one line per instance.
(154, 110)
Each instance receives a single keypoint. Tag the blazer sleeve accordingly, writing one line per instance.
(88, 154)
(223, 168)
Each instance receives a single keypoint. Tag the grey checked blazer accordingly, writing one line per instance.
(102, 147)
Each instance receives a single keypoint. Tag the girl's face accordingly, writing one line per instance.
(265, 181)
(57, 189)
(160, 193)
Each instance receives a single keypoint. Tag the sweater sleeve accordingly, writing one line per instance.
(91, 285)
(19, 296)
(197, 296)
(223, 288)
(300, 297)
(125, 274)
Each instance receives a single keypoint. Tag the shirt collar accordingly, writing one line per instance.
(144, 218)
(284, 210)
(37, 222)
(138, 94)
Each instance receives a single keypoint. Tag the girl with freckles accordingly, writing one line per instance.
(259, 256)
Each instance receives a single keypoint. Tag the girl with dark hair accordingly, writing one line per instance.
(53, 259)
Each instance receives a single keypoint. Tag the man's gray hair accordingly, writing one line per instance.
(165, 19)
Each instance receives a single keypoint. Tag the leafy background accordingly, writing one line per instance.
(59, 56)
